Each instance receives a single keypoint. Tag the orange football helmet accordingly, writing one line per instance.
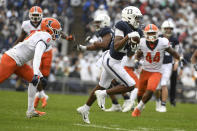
(35, 14)
(151, 32)
(52, 26)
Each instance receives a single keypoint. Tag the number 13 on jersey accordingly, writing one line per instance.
(156, 58)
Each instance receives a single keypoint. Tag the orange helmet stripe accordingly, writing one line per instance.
(35, 9)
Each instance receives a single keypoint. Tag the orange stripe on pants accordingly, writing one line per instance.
(148, 81)
(129, 70)
(8, 67)
(45, 66)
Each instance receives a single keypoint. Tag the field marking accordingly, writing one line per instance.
(124, 129)
(104, 127)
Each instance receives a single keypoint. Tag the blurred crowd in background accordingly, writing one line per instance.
(83, 65)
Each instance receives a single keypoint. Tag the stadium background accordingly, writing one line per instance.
(73, 71)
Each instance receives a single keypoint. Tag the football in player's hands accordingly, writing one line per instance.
(134, 37)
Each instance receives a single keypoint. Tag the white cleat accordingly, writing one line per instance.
(128, 106)
(158, 105)
(162, 109)
(100, 98)
(114, 107)
(32, 114)
(84, 113)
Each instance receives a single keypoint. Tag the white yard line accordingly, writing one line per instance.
(105, 127)
(124, 129)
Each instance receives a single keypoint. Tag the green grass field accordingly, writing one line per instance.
(62, 116)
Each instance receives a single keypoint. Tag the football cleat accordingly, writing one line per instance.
(84, 113)
(36, 101)
(162, 109)
(136, 112)
(114, 107)
(34, 113)
(158, 105)
(128, 105)
(44, 101)
(41, 113)
(100, 98)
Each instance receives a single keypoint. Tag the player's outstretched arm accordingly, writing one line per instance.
(67, 37)
(21, 37)
(98, 45)
(39, 50)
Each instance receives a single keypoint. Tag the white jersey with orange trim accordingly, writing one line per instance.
(153, 58)
(24, 51)
(29, 28)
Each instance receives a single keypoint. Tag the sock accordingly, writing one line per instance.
(115, 101)
(163, 103)
(42, 94)
(140, 105)
(87, 107)
(133, 95)
(31, 96)
(38, 95)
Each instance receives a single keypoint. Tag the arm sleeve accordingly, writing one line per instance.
(40, 48)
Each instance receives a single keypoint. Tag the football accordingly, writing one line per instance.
(135, 39)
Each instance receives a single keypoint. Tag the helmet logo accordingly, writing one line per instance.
(129, 11)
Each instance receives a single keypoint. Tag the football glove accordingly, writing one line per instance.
(35, 80)
(44, 82)
(136, 64)
(69, 38)
(182, 62)
(81, 48)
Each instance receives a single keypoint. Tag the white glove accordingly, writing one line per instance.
(91, 41)
(82, 48)
(133, 34)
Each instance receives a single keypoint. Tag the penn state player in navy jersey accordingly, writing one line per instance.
(103, 31)
(102, 23)
(123, 44)
(167, 32)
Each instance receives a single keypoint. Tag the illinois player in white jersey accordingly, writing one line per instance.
(33, 47)
(151, 49)
(28, 27)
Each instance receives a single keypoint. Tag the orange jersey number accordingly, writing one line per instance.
(155, 59)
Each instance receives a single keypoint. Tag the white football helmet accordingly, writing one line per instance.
(101, 20)
(132, 15)
(167, 27)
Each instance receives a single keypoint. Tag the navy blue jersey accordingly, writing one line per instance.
(126, 28)
(167, 57)
(104, 31)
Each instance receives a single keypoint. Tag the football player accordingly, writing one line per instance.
(32, 25)
(102, 23)
(194, 59)
(127, 36)
(151, 50)
(32, 48)
(167, 32)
